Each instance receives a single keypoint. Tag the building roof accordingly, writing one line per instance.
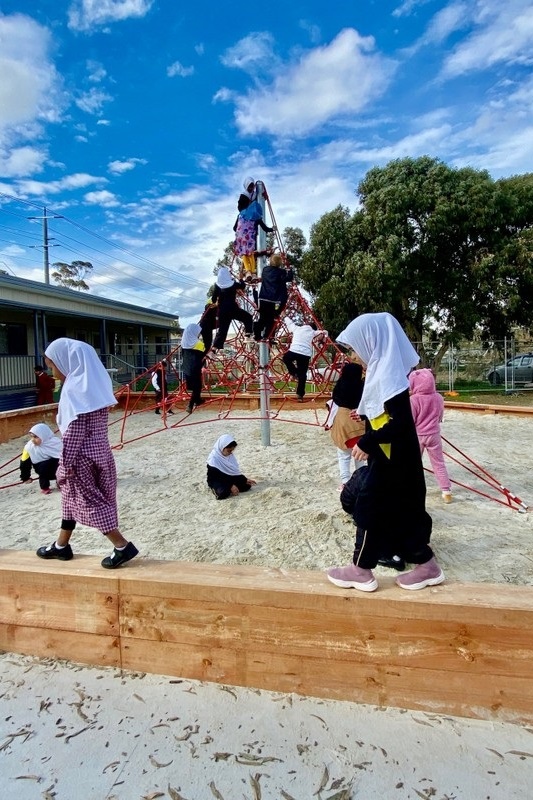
(23, 293)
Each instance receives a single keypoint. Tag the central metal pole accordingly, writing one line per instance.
(264, 355)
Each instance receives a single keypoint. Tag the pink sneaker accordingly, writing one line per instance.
(428, 574)
(46, 491)
(353, 577)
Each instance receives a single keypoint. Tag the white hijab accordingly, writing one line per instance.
(224, 279)
(246, 183)
(227, 464)
(87, 385)
(50, 446)
(190, 336)
(381, 343)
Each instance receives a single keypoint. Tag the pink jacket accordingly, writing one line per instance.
(427, 404)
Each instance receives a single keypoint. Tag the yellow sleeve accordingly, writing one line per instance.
(376, 424)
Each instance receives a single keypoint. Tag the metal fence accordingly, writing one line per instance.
(17, 372)
(504, 365)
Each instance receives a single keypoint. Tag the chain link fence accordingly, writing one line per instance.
(505, 365)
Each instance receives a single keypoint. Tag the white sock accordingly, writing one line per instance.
(56, 545)
(121, 548)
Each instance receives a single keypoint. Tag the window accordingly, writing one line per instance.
(13, 339)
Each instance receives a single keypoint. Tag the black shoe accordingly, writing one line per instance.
(190, 408)
(51, 551)
(119, 557)
(394, 563)
(170, 412)
(157, 411)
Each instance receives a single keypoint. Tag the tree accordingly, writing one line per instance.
(295, 243)
(72, 276)
(447, 251)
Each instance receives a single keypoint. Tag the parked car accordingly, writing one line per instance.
(518, 369)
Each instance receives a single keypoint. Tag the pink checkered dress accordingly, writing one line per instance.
(87, 473)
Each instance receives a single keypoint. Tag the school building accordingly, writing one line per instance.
(129, 338)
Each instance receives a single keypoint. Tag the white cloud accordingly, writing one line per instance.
(102, 198)
(93, 101)
(503, 33)
(255, 50)
(408, 6)
(96, 71)
(449, 19)
(86, 14)
(224, 95)
(118, 167)
(178, 69)
(314, 32)
(21, 161)
(78, 180)
(31, 91)
(199, 48)
(103, 122)
(321, 86)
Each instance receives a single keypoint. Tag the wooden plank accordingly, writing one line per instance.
(421, 689)
(456, 648)
(56, 595)
(86, 648)
(412, 642)
(276, 588)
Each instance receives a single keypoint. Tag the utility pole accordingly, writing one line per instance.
(46, 241)
(45, 248)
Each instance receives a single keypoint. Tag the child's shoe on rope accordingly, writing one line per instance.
(447, 497)
(428, 574)
(52, 551)
(352, 577)
(119, 557)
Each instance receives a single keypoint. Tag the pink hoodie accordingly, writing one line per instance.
(426, 404)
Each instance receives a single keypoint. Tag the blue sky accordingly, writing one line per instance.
(136, 120)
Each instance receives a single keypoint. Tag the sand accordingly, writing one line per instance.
(292, 518)
(72, 732)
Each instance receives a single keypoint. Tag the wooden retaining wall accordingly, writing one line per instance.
(462, 649)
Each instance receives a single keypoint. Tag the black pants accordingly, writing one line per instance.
(46, 470)
(226, 318)
(297, 365)
(194, 385)
(220, 483)
(268, 314)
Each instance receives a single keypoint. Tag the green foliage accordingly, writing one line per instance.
(72, 276)
(294, 243)
(447, 251)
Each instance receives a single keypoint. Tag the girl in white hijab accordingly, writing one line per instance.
(86, 473)
(225, 294)
(224, 476)
(390, 512)
(192, 355)
(42, 453)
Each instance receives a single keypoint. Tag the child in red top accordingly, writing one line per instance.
(427, 407)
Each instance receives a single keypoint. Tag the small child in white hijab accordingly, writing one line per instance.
(42, 453)
(224, 476)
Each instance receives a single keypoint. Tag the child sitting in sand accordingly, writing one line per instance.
(224, 477)
(42, 453)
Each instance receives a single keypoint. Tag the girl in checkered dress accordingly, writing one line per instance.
(86, 473)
